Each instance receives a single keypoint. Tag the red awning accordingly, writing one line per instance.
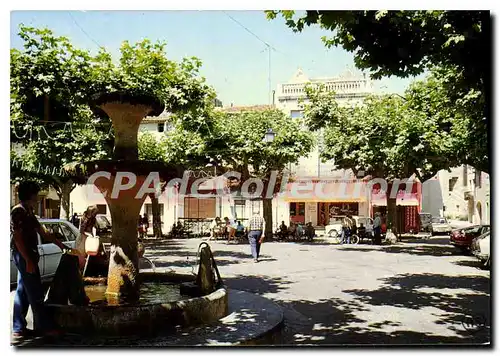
(344, 191)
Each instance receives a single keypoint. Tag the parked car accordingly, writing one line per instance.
(462, 238)
(335, 225)
(50, 254)
(425, 221)
(440, 226)
(480, 247)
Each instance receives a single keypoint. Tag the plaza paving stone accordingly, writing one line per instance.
(416, 291)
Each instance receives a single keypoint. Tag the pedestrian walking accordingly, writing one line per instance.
(377, 229)
(24, 227)
(256, 227)
(145, 222)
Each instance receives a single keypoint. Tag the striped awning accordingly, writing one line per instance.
(342, 191)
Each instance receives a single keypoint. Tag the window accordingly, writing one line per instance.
(451, 183)
(200, 208)
(68, 232)
(161, 127)
(55, 230)
(239, 207)
(296, 113)
(478, 178)
(102, 209)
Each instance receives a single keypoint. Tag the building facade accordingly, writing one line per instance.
(350, 89)
(461, 194)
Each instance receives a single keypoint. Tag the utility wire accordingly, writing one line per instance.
(268, 48)
(248, 30)
(84, 32)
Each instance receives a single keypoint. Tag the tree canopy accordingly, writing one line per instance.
(403, 43)
(454, 46)
(53, 82)
(385, 137)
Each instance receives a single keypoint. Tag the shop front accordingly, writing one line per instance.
(319, 201)
(408, 206)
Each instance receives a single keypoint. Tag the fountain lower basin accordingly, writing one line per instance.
(144, 318)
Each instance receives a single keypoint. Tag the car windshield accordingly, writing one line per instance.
(472, 230)
(439, 220)
(104, 219)
(425, 217)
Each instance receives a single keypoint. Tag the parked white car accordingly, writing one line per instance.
(50, 254)
(335, 225)
(440, 226)
(481, 248)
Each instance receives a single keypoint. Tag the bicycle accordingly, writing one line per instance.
(340, 239)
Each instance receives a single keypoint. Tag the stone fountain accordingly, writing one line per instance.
(121, 312)
(201, 301)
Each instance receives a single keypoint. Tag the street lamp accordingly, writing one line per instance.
(269, 136)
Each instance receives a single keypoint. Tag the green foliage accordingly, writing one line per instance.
(51, 83)
(144, 69)
(454, 45)
(457, 113)
(243, 135)
(151, 149)
(403, 43)
(186, 148)
(384, 137)
(235, 142)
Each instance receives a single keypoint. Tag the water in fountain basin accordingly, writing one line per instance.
(150, 293)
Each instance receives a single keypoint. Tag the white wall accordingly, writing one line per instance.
(436, 195)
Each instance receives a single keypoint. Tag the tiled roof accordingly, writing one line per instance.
(155, 119)
(247, 108)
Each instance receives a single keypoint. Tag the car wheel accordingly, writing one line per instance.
(464, 250)
(333, 233)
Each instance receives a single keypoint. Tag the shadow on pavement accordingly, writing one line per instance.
(257, 284)
(334, 322)
(423, 250)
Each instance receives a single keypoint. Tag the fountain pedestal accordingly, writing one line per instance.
(126, 113)
(124, 259)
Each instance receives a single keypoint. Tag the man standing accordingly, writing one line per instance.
(24, 227)
(75, 221)
(256, 229)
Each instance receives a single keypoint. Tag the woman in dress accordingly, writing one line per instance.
(97, 264)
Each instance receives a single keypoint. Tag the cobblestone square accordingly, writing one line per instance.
(414, 292)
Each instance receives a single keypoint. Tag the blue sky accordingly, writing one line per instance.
(235, 63)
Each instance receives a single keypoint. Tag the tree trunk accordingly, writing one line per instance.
(391, 210)
(267, 205)
(64, 198)
(123, 261)
(156, 217)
